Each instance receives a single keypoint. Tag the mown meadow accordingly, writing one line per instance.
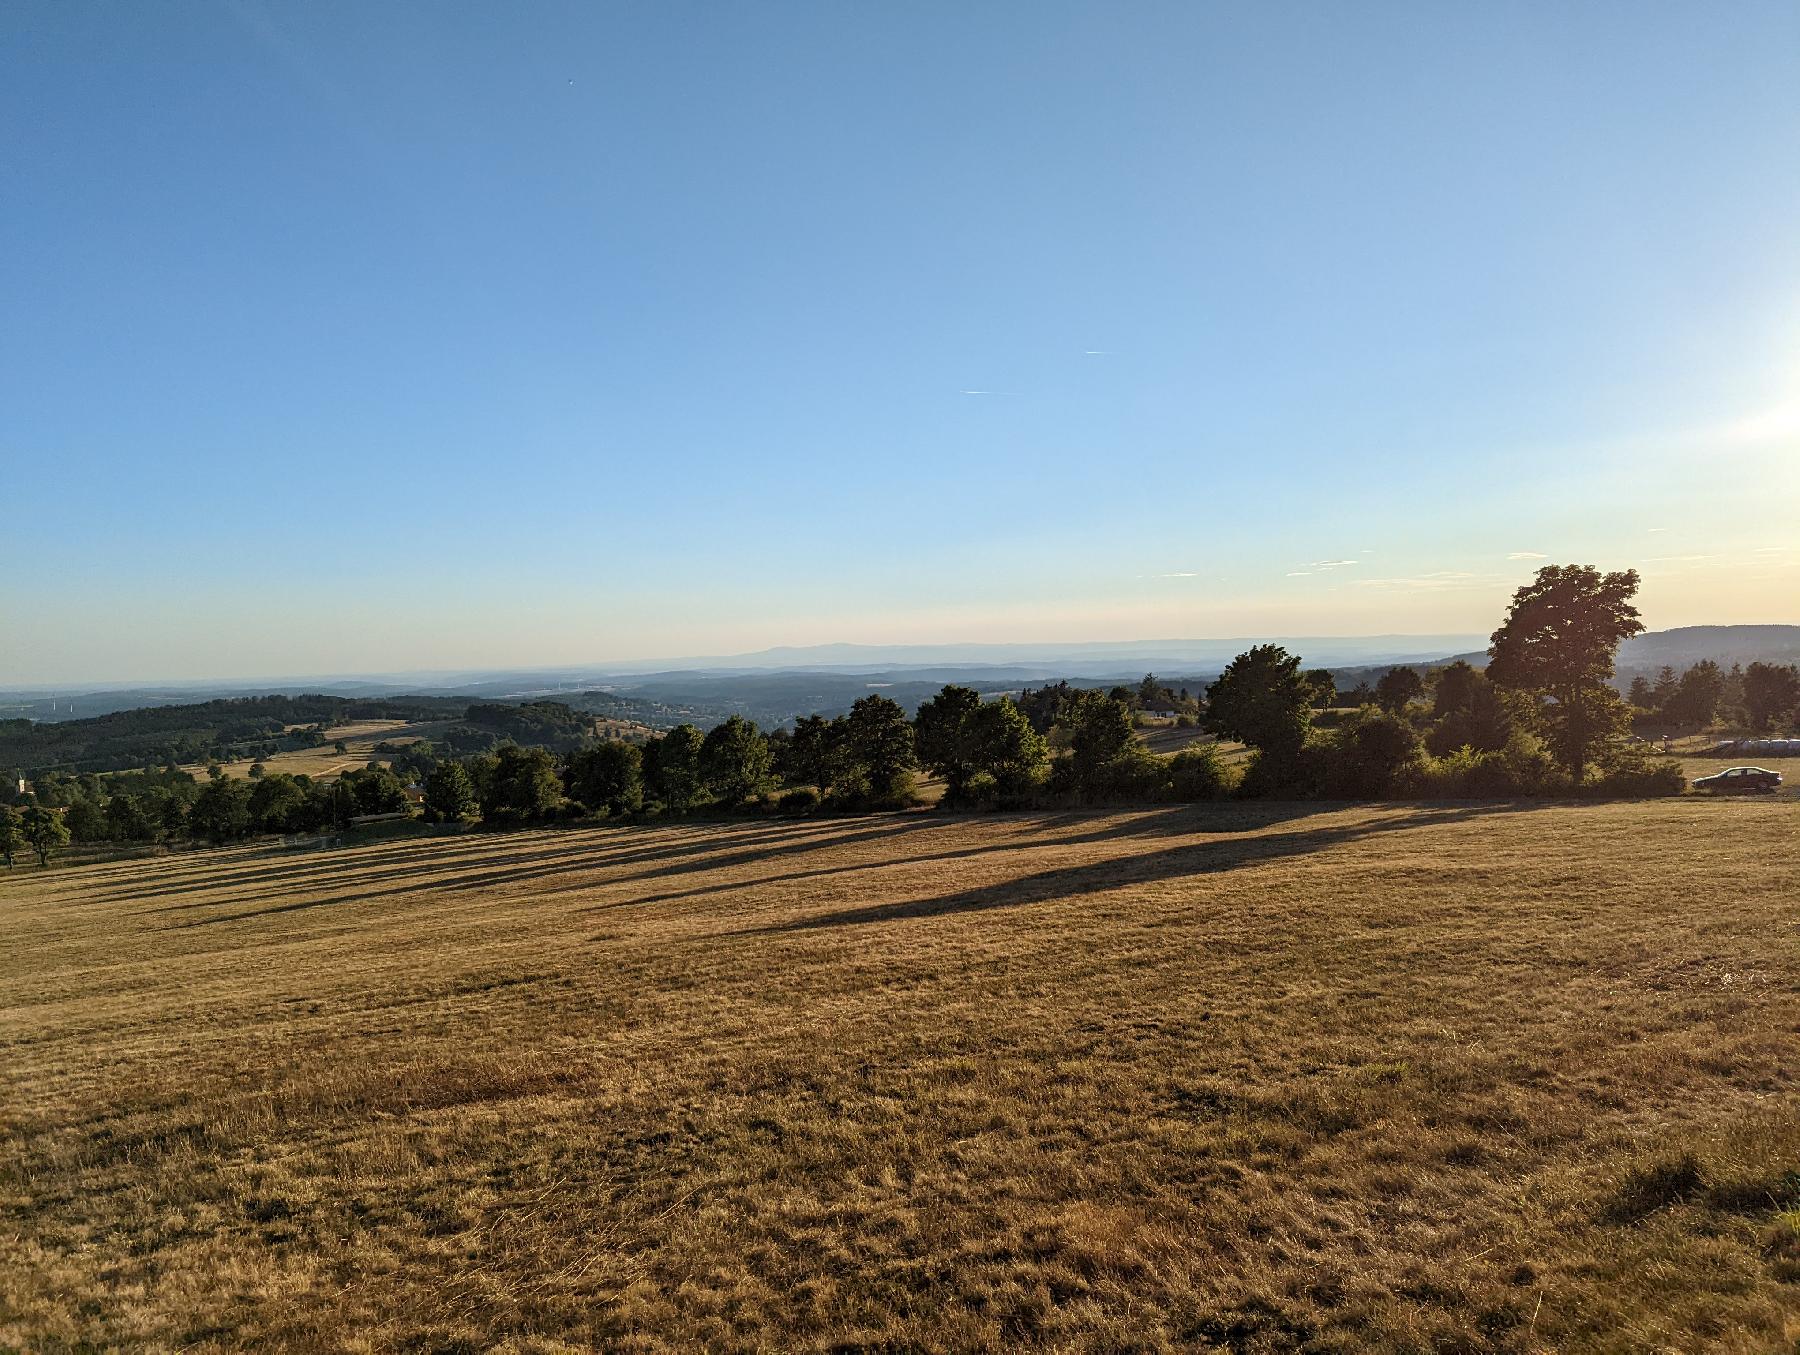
(1243, 1076)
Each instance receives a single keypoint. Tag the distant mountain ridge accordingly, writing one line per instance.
(1684, 646)
(782, 678)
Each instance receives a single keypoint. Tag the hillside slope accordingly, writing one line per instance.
(1251, 1077)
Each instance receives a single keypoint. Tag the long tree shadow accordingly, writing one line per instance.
(1168, 821)
(1198, 858)
(493, 850)
(489, 878)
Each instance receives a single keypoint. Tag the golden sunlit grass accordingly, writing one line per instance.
(325, 762)
(1255, 1077)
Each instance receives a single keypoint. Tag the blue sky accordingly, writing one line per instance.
(374, 337)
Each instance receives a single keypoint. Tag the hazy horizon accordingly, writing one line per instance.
(1125, 648)
(410, 338)
(1341, 651)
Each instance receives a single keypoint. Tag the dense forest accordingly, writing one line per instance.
(243, 727)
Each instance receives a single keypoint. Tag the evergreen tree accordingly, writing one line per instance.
(1698, 694)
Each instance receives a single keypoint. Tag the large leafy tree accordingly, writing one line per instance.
(1006, 747)
(221, 811)
(1771, 693)
(450, 793)
(1324, 687)
(959, 736)
(815, 754)
(1470, 712)
(525, 787)
(12, 835)
(1262, 699)
(607, 776)
(735, 761)
(1099, 730)
(1698, 694)
(87, 822)
(672, 767)
(378, 790)
(128, 820)
(879, 740)
(1377, 752)
(1559, 640)
(1398, 688)
(945, 740)
(43, 831)
(277, 804)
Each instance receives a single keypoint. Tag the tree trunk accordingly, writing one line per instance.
(1578, 735)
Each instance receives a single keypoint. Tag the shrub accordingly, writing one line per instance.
(1376, 753)
(859, 793)
(1298, 775)
(1199, 773)
(1633, 775)
(800, 801)
(1522, 767)
(1133, 777)
(981, 791)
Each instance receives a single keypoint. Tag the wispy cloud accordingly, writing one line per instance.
(1436, 581)
(975, 392)
(1526, 555)
(1298, 573)
(1096, 353)
(1331, 564)
(1176, 574)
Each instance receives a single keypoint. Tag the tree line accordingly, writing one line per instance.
(1759, 696)
(1541, 719)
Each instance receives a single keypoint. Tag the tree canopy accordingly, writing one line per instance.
(734, 760)
(43, 831)
(1263, 700)
(1559, 640)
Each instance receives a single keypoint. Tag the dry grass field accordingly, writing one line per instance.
(325, 763)
(1253, 1077)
